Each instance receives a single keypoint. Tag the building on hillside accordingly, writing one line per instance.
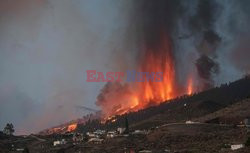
(92, 135)
(95, 141)
(111, 134)
(237, 146)
(121, 130)
(59, 142)
(189, 122)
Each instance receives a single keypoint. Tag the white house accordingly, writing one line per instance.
(111, 134)
(236, 146)
(99, 132)
(95, 140)
(58, 142)
(92, 135)
(120, 130)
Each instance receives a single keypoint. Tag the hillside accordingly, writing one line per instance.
(164, 124)
(180, 109)
(233, 114)
(179, 138)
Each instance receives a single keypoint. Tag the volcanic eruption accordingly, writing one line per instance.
(157, 33)
(119, 98)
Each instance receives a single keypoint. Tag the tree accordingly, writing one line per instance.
(26, 150)
(248, 142)
(9, 129)
(126, 125)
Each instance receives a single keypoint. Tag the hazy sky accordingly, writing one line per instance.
(45, 48)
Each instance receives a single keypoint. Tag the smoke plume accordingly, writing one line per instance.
(201, 37)
(114, 97)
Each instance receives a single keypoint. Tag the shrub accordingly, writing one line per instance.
(248, 142)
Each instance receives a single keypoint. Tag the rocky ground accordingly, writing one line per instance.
(179, 137)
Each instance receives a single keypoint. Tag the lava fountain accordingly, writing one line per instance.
(159, 59)
(72, 127)
(117, 98)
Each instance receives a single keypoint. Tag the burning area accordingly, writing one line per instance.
(156, 25)
(118, 98)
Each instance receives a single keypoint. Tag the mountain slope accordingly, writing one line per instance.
(180, 109)
(233, 114)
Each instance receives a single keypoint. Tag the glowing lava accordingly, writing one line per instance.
(190, 86)
(117, 98)
(72, 127)
(159, 59)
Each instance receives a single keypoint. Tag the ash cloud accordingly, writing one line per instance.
(206, 67)
(156, 17)
(202, 23)
(204, 35)
(152, 18)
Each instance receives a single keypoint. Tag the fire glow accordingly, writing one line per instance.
(71, 127)
(117, 98)
(190, 86)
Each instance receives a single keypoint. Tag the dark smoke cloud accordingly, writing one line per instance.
(205, 15)
(205, 67)
(152, 18)
(202, 23)
(200, 17)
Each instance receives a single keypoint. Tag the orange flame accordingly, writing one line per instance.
(190, 86)
(158, 60)
(155, 59)
(150, 92)
(72, 127)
